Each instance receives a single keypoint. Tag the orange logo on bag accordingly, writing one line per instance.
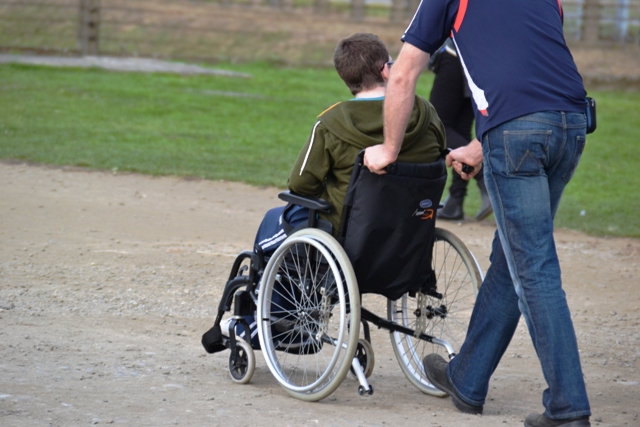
(428, 214)
(424, 213)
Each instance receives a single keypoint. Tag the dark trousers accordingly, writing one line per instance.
(454, 107)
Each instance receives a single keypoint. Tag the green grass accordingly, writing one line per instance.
(214, 127)
(252, 129)
(603, 197)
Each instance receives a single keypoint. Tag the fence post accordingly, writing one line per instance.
(412, 7)
(622, 20)
(321, 6)
(357, 10)
(591, 22)
(398, 11)
(89, 27)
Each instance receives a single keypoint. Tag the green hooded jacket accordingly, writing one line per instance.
(324, 166)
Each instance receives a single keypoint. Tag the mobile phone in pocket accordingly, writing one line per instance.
(591, 115)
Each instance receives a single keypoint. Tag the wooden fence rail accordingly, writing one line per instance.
(290, 30)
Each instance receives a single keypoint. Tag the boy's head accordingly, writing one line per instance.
(359, 60)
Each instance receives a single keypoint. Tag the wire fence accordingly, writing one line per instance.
(302, 31)
(616, 21)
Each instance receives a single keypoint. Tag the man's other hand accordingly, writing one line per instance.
(470, 154)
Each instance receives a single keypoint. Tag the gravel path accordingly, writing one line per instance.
(107, 282)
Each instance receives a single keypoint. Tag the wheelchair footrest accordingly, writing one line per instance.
(212, 340)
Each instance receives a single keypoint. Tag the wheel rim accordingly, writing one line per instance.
(311, 323)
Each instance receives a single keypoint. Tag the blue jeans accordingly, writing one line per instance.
(528, 162)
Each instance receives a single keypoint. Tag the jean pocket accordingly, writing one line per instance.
(581, 141)
(526, 151)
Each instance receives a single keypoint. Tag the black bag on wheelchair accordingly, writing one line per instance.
(388, 225)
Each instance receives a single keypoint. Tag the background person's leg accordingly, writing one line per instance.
(485, 202)
(453, 208)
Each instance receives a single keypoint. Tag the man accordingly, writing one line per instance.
(529, 102)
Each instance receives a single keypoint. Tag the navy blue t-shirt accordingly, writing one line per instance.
(513, 53)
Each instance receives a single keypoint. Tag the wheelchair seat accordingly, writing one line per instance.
(387, 226)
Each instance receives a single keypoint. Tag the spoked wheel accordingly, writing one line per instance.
(365, 356)
(242, 363)
(309, 314)
(458, 279)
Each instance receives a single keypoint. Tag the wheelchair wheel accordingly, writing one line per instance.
(458, 279)
(309, 314)
(242, 364)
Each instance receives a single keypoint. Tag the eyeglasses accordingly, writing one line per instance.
(388, 64)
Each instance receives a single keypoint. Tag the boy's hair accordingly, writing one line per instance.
(359, 60)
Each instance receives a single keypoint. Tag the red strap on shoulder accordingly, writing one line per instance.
(462, 10)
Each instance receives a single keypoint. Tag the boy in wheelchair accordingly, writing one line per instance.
(325, 163)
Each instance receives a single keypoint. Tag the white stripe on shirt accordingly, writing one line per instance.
(313, 137)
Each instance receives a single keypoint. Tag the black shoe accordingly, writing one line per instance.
(540, 420)
(452, 209)
(436, 369)
(485, 207)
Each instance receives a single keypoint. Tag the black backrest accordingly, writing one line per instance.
(388, 223)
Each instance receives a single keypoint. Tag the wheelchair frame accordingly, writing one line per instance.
(312, 340)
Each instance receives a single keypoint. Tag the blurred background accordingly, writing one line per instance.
(300, 32)
(217, 127)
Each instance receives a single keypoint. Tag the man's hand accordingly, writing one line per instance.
(377, 157)
(470, 154)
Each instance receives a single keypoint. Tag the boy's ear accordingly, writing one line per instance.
(385, 72)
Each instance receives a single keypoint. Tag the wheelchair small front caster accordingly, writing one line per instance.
(364, 353)
(242, 363)
(363, 391)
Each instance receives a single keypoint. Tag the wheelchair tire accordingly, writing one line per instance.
(309, 305)
(458, 278)
(242, 365)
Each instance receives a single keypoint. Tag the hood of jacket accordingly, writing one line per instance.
(360, 122)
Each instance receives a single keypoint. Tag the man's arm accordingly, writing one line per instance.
(398, 104)
(470, 154)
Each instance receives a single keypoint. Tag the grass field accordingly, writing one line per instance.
(251, 130)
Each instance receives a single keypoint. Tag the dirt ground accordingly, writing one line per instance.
(107, 282)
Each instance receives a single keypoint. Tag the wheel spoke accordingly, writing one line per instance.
(446, 318)
(305, 305)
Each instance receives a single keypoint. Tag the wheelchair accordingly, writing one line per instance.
(306, 296)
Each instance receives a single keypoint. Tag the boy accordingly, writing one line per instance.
(323, 168)
(325, 163)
